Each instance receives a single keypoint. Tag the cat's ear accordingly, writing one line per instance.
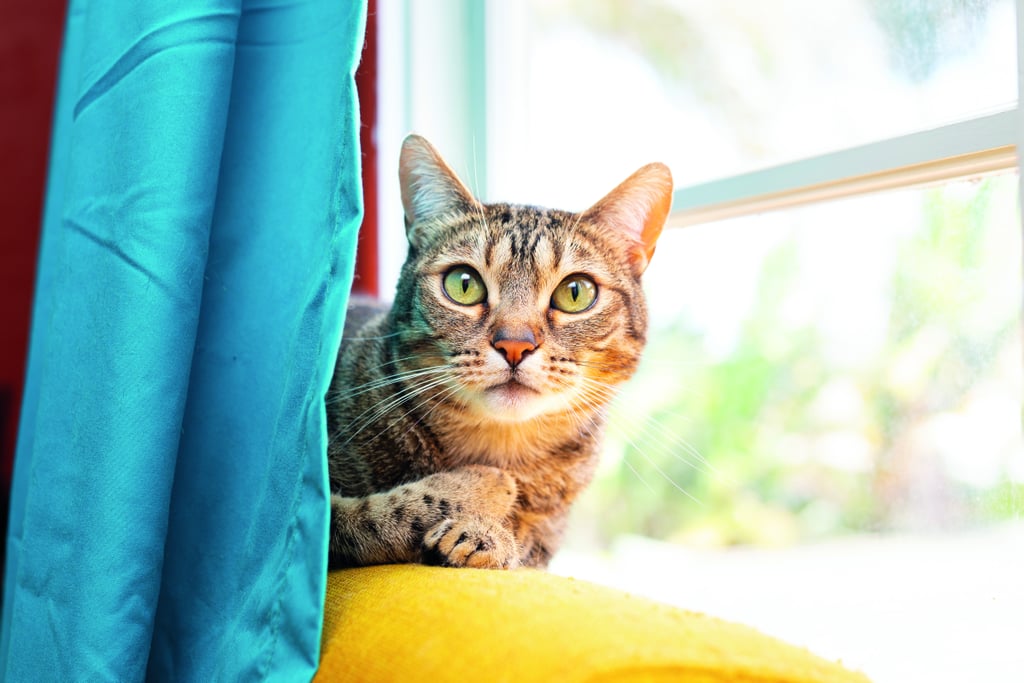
(637, 208)
(430, 188)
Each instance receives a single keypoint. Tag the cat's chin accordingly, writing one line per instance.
(513, 401)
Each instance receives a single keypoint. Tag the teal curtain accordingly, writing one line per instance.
(169, 508)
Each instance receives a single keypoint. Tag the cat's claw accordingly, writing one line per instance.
(470, 542)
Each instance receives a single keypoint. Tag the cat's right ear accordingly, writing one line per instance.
(430, 188)
(637, 209)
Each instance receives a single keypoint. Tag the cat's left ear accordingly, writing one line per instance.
(637, 208)
(430, 188)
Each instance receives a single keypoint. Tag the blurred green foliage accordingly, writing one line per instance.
(749, 447)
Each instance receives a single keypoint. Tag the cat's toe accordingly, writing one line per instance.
(432, 553)
(470, 542)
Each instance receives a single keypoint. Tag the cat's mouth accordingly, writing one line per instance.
(513, 387)
(512, 398)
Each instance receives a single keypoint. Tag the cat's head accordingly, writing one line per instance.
(526, 311)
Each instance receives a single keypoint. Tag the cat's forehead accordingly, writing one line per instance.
(515, 239)
(519, 238)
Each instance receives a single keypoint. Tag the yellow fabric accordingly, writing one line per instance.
(415, 623)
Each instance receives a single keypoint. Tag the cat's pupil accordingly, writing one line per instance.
(574, 290)
(465, 282)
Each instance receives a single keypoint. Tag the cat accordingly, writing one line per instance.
(464, 420)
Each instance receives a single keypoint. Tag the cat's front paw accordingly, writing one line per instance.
(470, 542)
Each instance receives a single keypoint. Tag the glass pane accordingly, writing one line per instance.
(718, 88)
(824, 440)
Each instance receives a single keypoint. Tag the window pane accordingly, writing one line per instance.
(826, 433)
(718, 88)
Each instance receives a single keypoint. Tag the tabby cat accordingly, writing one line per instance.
(466, 419)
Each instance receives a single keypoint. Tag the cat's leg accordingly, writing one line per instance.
(538, 535)
(393, 526)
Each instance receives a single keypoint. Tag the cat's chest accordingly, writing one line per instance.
(507, 445)
(550, 460)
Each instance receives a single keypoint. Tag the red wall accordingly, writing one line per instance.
(30, 36)
(366, 278)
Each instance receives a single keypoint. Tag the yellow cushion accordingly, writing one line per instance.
(416, 623)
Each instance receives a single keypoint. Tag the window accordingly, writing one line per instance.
(828, 420)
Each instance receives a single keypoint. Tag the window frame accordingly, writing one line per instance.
(966, 149)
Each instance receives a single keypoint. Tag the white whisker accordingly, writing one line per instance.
(444, 395)
(637, 475)
(383, 336)
(654, 429)
(595, 389)
(385, 381)
(379, 410)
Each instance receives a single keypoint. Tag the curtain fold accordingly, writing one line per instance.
(168, 509)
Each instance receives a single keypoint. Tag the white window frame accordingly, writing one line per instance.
(971, 148)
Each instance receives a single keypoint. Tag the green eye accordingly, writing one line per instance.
(463, 285)
(575, 294)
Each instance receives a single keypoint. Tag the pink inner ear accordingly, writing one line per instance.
(639, 207)
(656, 217)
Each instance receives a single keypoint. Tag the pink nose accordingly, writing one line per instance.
(515, 350)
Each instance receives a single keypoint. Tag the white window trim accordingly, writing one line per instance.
(970, 148)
